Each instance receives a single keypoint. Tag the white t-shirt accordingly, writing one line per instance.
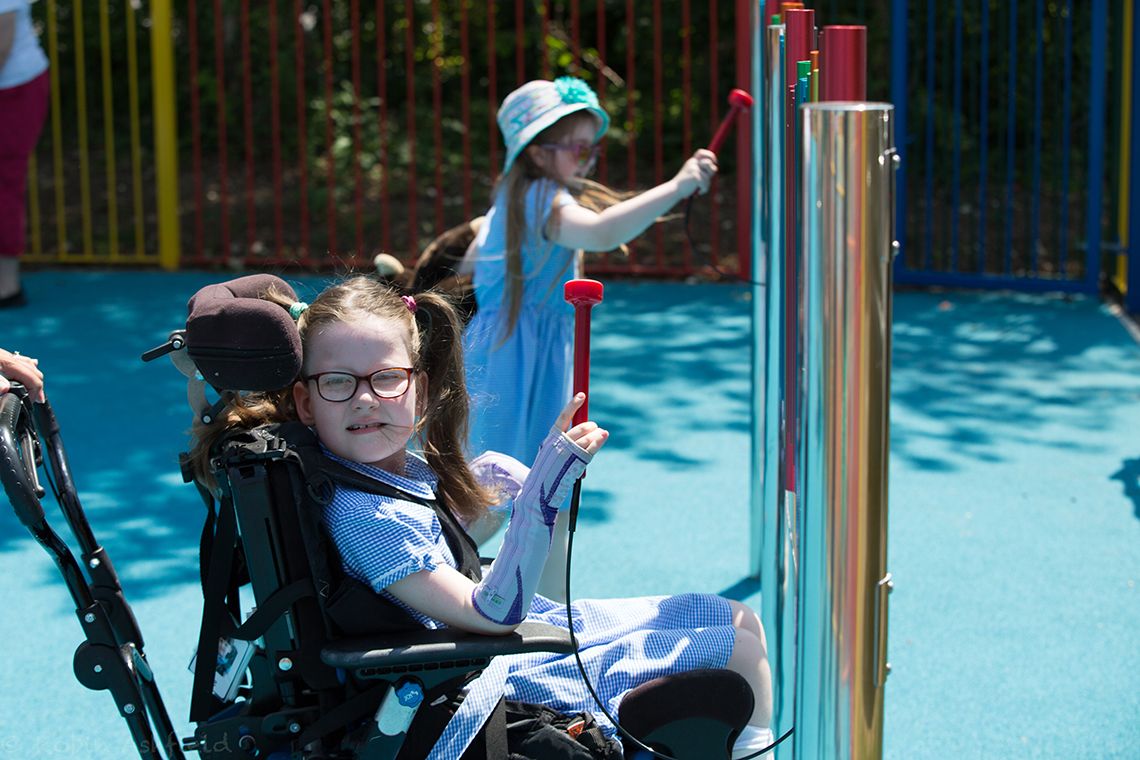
(26, 60)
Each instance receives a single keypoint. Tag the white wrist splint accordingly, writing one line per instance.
(505, 593)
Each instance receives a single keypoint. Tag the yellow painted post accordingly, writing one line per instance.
(88, 251)
(34, 206)
(136, 140)
(56, 133)
(165, 132)
(109, 132)
(1121, 278)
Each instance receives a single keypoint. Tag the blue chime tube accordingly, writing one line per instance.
(777, 564)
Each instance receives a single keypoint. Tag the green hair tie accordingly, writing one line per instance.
(297, 309)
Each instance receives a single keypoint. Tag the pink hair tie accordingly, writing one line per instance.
(410, 302)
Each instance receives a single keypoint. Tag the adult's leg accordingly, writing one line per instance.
(25, 107)
(9, 272)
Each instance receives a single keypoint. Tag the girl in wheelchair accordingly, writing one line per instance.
(382, 385)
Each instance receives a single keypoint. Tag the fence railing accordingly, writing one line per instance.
(1013, 125)
(317, 134)
(280, 133)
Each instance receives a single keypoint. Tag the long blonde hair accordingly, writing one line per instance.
(436, 348)
(514, 185)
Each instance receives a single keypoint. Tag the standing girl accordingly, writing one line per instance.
(382, 372)
(519, 342)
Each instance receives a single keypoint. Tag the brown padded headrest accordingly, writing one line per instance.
(238, 340)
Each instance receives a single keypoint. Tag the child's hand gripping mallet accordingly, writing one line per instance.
(582, 295)
(738, 101)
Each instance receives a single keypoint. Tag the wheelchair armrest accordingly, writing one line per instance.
(443, 645)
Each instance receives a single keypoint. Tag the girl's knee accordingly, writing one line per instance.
(748, 651)
(744, 618)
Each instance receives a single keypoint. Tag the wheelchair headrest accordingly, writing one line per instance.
(240, 341)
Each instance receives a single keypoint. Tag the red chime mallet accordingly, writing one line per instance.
(582, 295)
(738, 101)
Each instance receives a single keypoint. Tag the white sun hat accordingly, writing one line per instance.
(538, 104)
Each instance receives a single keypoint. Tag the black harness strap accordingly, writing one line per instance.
(207, 539)
(214, 612)
(495, 733)
(272, 608)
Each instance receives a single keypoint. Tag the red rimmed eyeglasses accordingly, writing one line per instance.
(585, 153)
(390, 382)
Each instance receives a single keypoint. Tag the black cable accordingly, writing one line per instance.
(574, 499)
(715, 267)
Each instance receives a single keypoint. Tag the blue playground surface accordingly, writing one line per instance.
(1014, 504)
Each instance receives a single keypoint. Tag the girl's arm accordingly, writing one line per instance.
(578, 227)
(499, 602)
(445, 594)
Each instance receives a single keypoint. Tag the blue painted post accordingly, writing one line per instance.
(1010, 138)
(1066, 146)
(984, 121)
(899, 13)
(1038, 95)
(928, 167)
(956, 121)
(1097, 87)
(1132, 299)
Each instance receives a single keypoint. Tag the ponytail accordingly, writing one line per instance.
(443, 426)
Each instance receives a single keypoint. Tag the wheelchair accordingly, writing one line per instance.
(309, 680)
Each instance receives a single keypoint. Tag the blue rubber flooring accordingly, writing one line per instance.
(1014, 504)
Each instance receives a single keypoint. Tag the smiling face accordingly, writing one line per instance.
(365, 428)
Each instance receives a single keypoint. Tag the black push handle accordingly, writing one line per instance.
(19, 483)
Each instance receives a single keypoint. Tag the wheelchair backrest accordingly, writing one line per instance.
(271, 483)
(264, 532)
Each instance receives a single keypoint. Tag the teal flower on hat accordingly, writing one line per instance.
(574, 90)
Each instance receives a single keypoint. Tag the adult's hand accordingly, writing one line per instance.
(22, 369)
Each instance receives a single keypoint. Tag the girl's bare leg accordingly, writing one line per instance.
(750, 659)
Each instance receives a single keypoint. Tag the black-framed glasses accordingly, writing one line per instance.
(390, 382)
(585, 153)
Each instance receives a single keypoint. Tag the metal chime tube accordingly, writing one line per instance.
(845, 297)
(777, 569)
(758, 311)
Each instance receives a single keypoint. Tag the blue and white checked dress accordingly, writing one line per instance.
(519, 385)
(623, 642)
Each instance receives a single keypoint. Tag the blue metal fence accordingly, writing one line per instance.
(1002, 114)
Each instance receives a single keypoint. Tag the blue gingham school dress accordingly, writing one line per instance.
(623, 642)
(518, 385)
